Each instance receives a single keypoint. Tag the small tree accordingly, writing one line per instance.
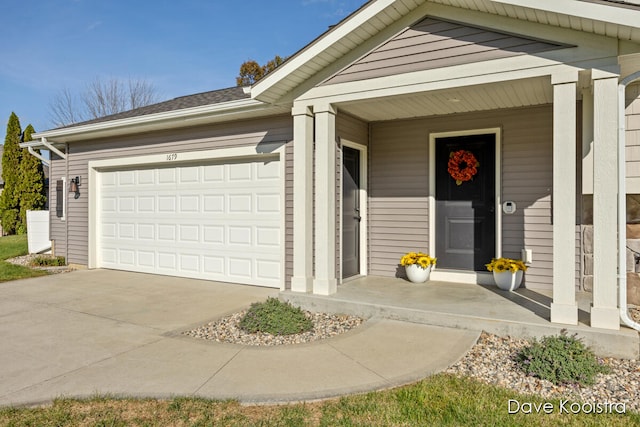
(10, 197)
(251, 71)
(31, 185)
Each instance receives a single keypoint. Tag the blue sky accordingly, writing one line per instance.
(181, 47)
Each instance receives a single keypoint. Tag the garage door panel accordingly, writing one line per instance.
(217, 222)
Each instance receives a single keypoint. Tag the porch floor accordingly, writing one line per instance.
(524, 313)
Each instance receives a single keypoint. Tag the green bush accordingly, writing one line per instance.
(44, 261)
(275, 317)
(560, 359)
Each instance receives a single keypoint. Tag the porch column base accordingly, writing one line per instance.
(325, 286)
(605, 318)
(564, 313)
(302, 284)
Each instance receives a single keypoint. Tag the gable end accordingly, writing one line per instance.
(436, 43)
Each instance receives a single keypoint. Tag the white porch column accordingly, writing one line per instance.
(302, 280)
(604, 311)
(325, 282)
(564, 308)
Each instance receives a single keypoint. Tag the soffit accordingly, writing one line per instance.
(510, 94)
(576, 15)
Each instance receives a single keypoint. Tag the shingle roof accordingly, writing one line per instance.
(180, 103)
(618, 3)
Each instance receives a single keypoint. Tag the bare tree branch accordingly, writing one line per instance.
(142, 93)
(101, 98)
(63, 109)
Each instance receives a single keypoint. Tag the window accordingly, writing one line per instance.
(60, 196)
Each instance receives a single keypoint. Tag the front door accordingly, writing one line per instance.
(465, 200)
(350, 212)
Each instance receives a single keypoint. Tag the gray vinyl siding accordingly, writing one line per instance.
(434, 43)
(352, 129)
(399, 186)
(632, 138)
(398, 193)
(235, 134)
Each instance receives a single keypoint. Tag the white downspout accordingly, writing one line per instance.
(38, 156)
(50, 147)
(622, 204)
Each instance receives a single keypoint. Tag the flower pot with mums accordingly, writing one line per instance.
(507, 272)
(417, 266)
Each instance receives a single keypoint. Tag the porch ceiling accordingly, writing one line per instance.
(510, 94)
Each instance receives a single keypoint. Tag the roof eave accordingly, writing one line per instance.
(161, 121)
(270, 88)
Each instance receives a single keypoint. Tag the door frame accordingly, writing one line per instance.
(363, 193)
(481, 278)
(254, 153)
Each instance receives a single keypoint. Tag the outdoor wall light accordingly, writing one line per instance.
(75, 183)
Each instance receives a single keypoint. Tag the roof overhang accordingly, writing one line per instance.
(202, 115)
(306, 67)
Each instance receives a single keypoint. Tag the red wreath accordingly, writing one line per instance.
(463, 166)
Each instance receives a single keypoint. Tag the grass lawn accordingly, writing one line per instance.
(10, 247)
(441, 400)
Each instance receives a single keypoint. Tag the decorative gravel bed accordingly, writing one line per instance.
(25, 261)
(491, 361)
(227, 330)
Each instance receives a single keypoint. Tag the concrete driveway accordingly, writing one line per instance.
(100, 331)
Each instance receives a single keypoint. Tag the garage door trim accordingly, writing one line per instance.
(263, 152)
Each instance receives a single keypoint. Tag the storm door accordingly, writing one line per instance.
(465, 201)
(350, 212)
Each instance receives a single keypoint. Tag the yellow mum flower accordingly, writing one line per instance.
(500, 266)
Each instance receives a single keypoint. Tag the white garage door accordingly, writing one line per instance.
(216, 221)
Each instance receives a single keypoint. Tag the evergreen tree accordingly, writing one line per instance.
(31, 185)
(10, 197)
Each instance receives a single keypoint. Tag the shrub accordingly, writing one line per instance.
(560, 359)
(275, 317)
(44, 261)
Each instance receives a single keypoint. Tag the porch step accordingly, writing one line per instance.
(624, 343)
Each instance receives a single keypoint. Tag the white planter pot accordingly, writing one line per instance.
(417, 274)
(508, 281)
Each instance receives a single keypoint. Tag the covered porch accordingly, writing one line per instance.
(549, 110)
(530, 117)
(524, 313)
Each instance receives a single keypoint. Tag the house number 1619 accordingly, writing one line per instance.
(172, 156)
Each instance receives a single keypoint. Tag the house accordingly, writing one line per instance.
(336, 163)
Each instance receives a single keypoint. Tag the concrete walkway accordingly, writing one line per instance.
(106, 332)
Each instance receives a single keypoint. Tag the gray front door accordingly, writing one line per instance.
(465, 213)
(350, 212)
